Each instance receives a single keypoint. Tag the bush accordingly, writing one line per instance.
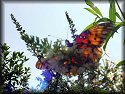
(14, 74)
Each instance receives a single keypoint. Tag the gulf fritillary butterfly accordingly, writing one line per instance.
(86, 49)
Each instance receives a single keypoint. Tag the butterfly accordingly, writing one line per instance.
(85, 49)
(90, 41)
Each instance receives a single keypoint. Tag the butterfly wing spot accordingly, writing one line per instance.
(105, 32)
(89, 42)
(87, 32)
(84, 37)
(80, 37)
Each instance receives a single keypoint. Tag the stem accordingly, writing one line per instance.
(120, 9)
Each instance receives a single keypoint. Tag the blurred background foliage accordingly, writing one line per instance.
(14, 74)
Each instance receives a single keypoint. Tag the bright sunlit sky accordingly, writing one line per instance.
(48, 18)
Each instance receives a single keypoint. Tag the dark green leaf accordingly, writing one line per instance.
(16, 67)
(104, 91)
(37, 40)
(88, 2)
(12, 63)
(118, 16)
(17, 82)
(14, 83)
(5, 53)
(121, 63)
(26, 59)
(14, 55)
(20, 54)
(112, 11)
(5, 47)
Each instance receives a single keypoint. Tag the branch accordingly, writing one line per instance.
(120, 9)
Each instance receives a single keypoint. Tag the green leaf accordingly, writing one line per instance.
(107, 39)
(12, 63)
(32, 39)
(5, 53)
(104, 91)
(112, 11)
(26, 59)
(121, 63)
(97, 11)
(103, 20)
(88, 2)
(116, 28)
(118, 16)
(5, 47)
(14, 55)
(95, 8)
(89, 26)
(37, 40)
(20, 54)
(111, 34)
(91, 11)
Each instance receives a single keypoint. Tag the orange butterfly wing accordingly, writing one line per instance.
(95, 36)
(91, 40)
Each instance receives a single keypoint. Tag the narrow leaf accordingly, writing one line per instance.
(95, 8)
(88, 2)
(118, 16)
(5, 53)
(11, 63)
(5, 47)
(91, 11)
(116, 28)
(111, 35)
(102, 20)
(14, 55)
(112, 11)
(107, 39)
(37, 40)
(121, 63)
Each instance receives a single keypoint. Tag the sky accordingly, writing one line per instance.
(47, 18)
